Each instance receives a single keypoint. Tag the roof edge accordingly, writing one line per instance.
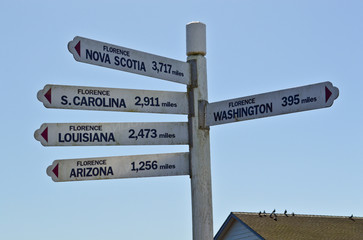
(300, 215)
(224, 225)
(227, 222)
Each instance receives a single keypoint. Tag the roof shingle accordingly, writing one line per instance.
(303, 227)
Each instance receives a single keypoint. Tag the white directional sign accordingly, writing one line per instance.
(125, 59)
(291, 100)
(154, 165)
(103, 134)
(113, 99)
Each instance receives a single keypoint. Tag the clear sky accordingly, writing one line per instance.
(307, 163)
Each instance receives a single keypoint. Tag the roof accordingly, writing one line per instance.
(304, 227)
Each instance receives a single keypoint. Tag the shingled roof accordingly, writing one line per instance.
(304, 227)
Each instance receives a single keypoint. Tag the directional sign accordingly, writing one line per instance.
(102, 134)
(291, 100)
(113, 99)
(125, 59)
(154, 165)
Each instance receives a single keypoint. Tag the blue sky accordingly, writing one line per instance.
(307, 163)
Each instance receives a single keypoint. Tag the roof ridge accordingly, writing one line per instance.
(299, 215)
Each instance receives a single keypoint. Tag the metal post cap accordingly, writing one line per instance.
(196, 38)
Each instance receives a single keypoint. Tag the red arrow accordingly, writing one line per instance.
(48, 95)
(327, 94)
(55, 170)
(45, 134)
(78, 48)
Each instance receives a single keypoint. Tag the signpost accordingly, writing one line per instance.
(199, 147)
(107, 134)
(129, 60)
(291, 100)
(113, 99)
(153, 165)
(195, 132)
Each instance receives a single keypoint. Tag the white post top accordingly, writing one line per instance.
(196, 38)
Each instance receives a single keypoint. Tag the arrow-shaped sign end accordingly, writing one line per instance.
(53, 172)
(328, 94)
(48, 95)
(75, 46)
(331, 93)
(44, 134)
(78, 48)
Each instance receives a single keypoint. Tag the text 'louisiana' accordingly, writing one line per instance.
(86, 137)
